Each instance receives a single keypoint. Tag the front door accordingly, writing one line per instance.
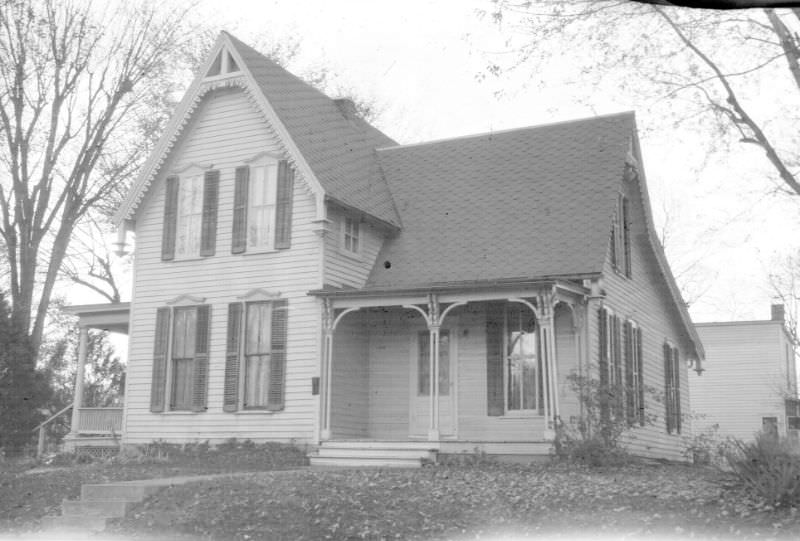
(420, 398)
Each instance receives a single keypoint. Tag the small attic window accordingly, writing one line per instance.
(224, 63)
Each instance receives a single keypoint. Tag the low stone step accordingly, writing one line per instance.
(95, 508)
(327, 451)
(118, 491)
(75, 523)
(365, 462)
(371, 444)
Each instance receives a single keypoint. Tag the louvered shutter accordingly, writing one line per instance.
(668, 386)
(630, 397)
(494, 358)
(640, 363)
(626, 236)
(232, 355)
(277, 370)
(208, 229)
(158, 386)
(602, 332)
(200, 376)
(676, 376)
(283, 202)
(170, 219)
(240, 192)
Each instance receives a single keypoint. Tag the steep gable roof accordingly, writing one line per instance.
(522, 204)
(333, 148)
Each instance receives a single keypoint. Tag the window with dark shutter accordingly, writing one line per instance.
(158, 386)
(170, 219)
(626, 236)
(232, 352)
(208, 229)
(603, 347)
(494, 358)
(640, 372)
(676, 375)
(669, 388)
(283, 209)
(241, 189)
(630, 379)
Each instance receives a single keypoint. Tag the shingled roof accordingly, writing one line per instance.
(529, 203)
(337, 145)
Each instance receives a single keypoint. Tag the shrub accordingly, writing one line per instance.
(768, 468)
(707, 448)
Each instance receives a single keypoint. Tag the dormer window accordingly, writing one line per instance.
(621, 238)
(351, 238)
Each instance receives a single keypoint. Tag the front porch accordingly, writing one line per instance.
(502, 360)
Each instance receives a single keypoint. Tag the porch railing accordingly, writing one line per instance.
(99, 420)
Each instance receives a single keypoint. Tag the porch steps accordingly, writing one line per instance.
(373, 454)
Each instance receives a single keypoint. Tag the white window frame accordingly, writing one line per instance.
(265, 169)
(351, 231)
(194, 174)
(183, 302)
(521, 412)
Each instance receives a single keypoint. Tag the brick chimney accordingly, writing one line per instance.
(778, 312)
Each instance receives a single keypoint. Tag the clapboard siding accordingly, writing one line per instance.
(226, 130)
(745, 378)
(342, 268)
(349, 393)
(645, 298)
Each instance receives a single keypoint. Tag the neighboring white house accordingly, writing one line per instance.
(749, 383)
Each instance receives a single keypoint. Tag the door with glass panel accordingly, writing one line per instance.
(421, 385)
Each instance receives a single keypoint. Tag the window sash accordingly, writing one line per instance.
(184, 329)
(261, 202)
(190, 215)
(257, 353)
(522, 361)
(351, 235)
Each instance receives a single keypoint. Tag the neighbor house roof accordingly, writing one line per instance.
(527, 203)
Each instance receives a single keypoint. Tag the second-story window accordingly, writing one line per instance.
(190, 214)
(621, 237)
(351, 239)
(262, 206)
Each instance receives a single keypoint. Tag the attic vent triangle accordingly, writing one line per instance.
(223, 64)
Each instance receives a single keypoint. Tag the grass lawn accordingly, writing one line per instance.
(29, 491)
(486, 501)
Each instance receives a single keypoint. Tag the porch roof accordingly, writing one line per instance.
(112, 317)
(570, 284)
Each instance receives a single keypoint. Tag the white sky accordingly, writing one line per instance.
(419, 59)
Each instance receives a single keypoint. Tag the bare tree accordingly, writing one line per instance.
(720, 70)
(76, 81)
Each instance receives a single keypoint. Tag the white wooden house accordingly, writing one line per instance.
(750, 382)
(299, 276)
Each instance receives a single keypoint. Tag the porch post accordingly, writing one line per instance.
(433, 431)
(327, 383)
(544, 335)
(327, 358)
(77, 402)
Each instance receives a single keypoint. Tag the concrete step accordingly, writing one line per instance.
(364, 462)
(372, 444)
(74, 523)
(327, 451)
(118, 491)
(95, 508)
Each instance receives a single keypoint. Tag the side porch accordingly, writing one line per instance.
(501, 358)
(94, 429)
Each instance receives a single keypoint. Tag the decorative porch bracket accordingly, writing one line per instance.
(434, 318)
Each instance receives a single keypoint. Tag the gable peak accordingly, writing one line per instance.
(224, 64)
